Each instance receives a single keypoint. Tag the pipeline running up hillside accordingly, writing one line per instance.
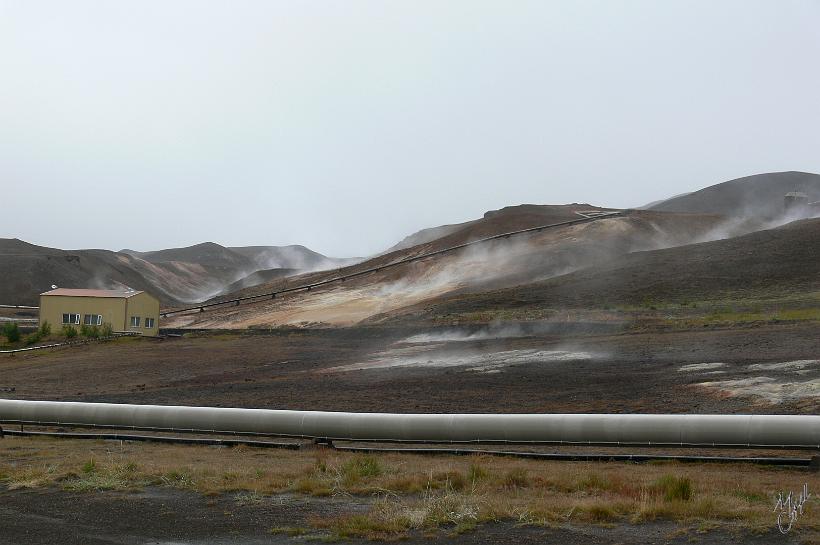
(342, 276)
(752, 431)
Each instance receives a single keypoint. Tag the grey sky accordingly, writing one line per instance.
(347, 125)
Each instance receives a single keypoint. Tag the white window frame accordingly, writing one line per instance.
(73, 318)
(135, 321)
(149, 326)
(93, 319)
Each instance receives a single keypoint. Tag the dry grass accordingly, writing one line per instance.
(425, 493)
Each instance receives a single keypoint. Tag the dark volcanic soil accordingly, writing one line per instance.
(637, 372)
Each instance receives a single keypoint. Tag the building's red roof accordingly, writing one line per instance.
(68, 292)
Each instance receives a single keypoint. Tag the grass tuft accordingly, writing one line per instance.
(450, 479)
(477, 472)
(598, 512)
(292, 531)
(108, 477)
(177, 479)
(674, 488)
(312, 486)
(516, 478)
(370, 526)
(363, 466)
(595, 481)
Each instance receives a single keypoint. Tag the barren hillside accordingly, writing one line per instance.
(294, 257)
(259, 277)
(753, 197)
(28, 270)
(501, 263)
(776, 263)
(175, 276)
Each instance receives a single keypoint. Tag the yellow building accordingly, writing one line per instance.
(134, 311)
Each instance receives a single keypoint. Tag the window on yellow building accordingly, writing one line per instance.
(92, 319)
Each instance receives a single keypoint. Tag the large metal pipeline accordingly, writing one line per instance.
(616, 429)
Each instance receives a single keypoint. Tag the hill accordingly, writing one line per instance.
(259, 277)
(28, 270)
(494, 222)
(428, 235)
(207, 254)
(501, 263)
(751, 197)
(295, 257)
(241, 261)
(781, 262)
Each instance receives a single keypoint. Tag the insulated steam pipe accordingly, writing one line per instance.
(801, 431)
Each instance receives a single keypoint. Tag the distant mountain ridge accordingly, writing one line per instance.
(252, 258)
(295, 257)
(205, 253)
(174, 275)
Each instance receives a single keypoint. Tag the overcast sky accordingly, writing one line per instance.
(345, 126)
